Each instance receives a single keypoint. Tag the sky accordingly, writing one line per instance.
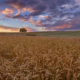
(39, 15)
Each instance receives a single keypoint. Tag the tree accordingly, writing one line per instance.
(23, 30)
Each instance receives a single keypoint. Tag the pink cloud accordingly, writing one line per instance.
(0, 11)
(63, 26)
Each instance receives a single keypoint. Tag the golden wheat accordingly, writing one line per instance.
(39, 58)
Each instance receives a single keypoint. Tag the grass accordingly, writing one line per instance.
(39, 58)
(58, 33)
(73, 34)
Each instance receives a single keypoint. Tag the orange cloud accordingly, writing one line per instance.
(63, 26)
(32, 21)
(27, 9)
(38, 22)
(7, 11)
(22, 9)
(47, 17)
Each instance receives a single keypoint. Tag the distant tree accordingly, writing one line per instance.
(23, 30)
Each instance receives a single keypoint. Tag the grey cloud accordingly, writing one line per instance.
(77, 14)
(38, 9)
(19, 16)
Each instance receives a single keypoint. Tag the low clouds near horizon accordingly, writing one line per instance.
(41, 15)
(12, 29)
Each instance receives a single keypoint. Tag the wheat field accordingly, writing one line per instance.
(39, 58)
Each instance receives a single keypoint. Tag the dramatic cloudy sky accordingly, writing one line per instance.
(39, 15)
